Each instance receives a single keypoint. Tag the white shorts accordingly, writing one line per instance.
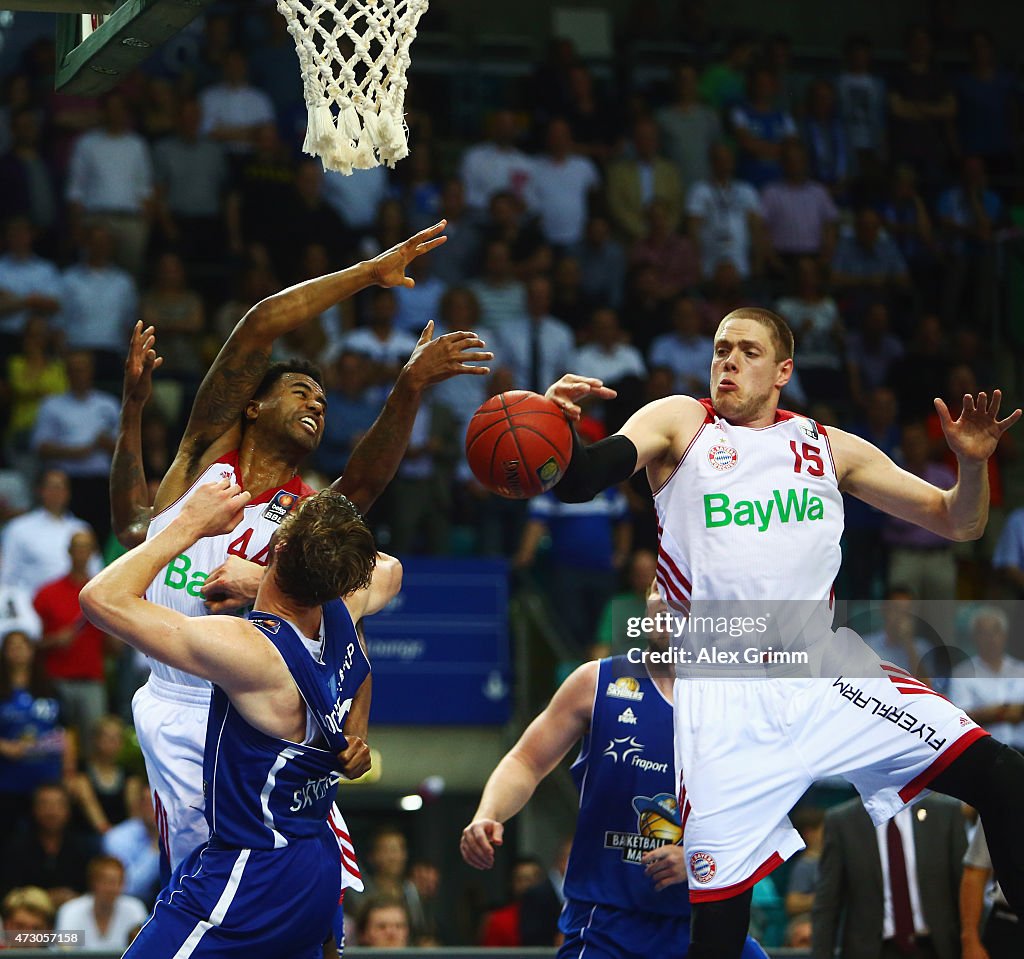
(748, 749)
(170, 722)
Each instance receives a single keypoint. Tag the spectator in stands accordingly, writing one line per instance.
(74, 647)
(384, 924)
(33, 743)
(898, 642)
(921, 560)
(357, 196)
(689, 128)
(809, 821)
(106, 917)
(969, 215)
(191, 177)
(387, 858)
(612, 638)
(104, 790)
(29, 184)
(100, 304)
(1002, 937)
(534, 345)
(421, 191)
(389, 229)
(500, 295)
(820, 337)
(761, 128)
(1008, 559)
(379, 341)
(726, 218)
(27, 909)
(862, 106)
(426, 877)
(110, 184)
(595, 121)
(500, 927)
(987, 109)
(135, 842)
(262, 185)
(509, 221)
(915, 912)
(177, 313)
(29, 285)
(47, 854)
(824, 135)
(870, 351)
(906, 219)
(34, 372)
(75, 433)
(922, 109)
(590, 543)
(868, 264)
(420, 303)
(602, 265)
(17, 614)
(610, 357)
(233, 111)
(922, 372)
(311, 218)
(542, 902)
(722, 84)
(563, 182)
(634, 183)
(799, 213)
(989, 686)
(35, 546)
(462, 250)
(685, 350)
(497, 165)
(673, 256)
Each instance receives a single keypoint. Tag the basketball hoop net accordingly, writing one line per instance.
(354, 61)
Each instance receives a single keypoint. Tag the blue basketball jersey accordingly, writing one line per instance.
(626, 779)
(262, 791)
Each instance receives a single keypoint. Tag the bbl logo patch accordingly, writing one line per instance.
(702, 866)
(280, 506)
(722, 457)
(626, 687)
(549, 473)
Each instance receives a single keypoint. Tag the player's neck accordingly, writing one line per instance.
(270, 599)
(263, 467)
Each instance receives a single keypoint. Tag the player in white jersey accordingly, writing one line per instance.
(750, 515)
(255, 423)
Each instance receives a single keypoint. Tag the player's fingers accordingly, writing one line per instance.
(982, 403)
(997, 399)
(940, 407)
(1009, 421)
(604, 392)
(430, 231)
(468, 356)
(158, 362)
(498, 834)
(968, 403)
(464, 341)
(473, 370)
(427, 334)
(430, 245)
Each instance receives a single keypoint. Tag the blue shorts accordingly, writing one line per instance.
(256, 903)
(594, 931)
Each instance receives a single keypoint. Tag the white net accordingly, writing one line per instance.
(354, 58)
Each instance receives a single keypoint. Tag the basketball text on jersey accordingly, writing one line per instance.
(785, 507)
(657, 825)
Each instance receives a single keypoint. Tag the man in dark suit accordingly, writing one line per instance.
(890, 891)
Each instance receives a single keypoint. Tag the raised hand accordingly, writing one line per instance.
(435, 360)
(214, 508)
(571, 388)
(478, 841)
(139, 365)
(389, 267)
(975, 434)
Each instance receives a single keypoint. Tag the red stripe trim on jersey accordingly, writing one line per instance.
(920, 782)
(828, 447)
(680, 578)
(893, 668)
(726, 892)
(671, 588)
(686, 815)
(914, 691)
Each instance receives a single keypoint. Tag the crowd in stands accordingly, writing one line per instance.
(595, 225)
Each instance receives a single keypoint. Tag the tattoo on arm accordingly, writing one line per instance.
(130, 509)
(227, 387)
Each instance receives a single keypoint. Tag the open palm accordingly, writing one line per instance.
(389, 267)
(975, 434)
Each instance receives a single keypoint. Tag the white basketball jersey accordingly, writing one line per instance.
(177, 586)
(750, 514)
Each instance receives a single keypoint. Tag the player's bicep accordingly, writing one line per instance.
(567, 717)
(663, 427)
(384, 586)
(869, 474)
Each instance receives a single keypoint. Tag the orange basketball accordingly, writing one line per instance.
(518, 444)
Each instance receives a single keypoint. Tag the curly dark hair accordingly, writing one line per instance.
(276, 370)
(325, 550)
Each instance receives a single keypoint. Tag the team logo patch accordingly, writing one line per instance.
(810, 429)
(657, 824)
(549, 473)
(623, 748)
(628, 716)
(270, 624)
(625, 687)
(722, 457)
(964, 721)
(280, 506)
(702, 867)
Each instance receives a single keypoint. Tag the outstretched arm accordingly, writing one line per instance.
(130, 508)
(244, 358)
(546, 741)
(217, 648)
(376, 458)
(960, 513)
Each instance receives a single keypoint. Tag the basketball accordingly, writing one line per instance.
(518, 444)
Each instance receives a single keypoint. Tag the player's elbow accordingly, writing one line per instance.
(393, 574)
(94, 601)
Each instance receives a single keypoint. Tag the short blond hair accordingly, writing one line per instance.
(32, 898)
